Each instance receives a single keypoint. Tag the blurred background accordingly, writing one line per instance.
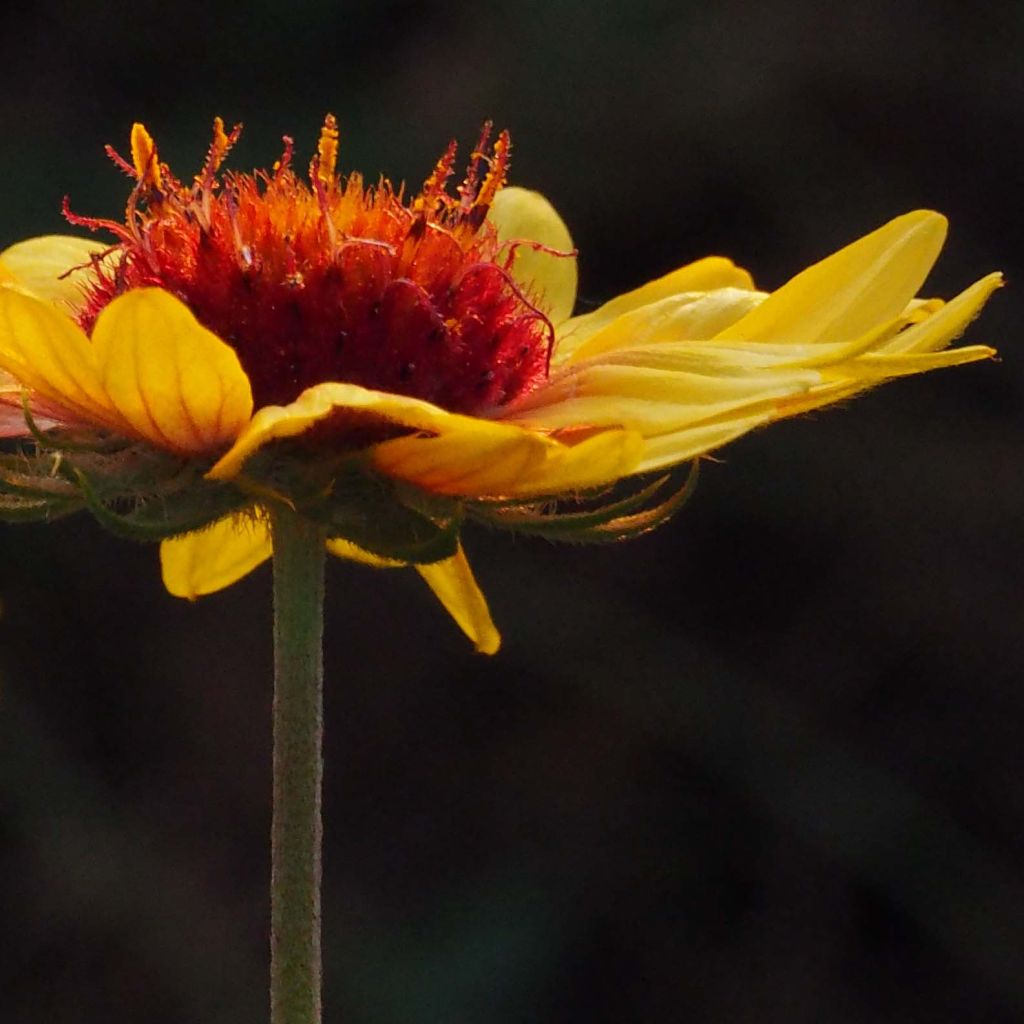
(764, 765)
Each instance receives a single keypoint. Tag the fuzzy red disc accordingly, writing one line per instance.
(335, 281)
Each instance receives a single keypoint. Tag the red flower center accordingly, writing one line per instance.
(334, 281)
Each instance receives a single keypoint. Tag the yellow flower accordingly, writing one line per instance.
(242, 324)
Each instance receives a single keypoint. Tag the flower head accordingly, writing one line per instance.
(391, 366)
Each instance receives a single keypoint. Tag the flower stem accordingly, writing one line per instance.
(296, 832)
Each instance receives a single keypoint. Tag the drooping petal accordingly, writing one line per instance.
(213, 558)
(452, 582)
(175, 382)
(521, 215)
(864, 284)
(43, 267)
(705, 275)
(48, 353)
(454, 586)
(461, 455)
(315, 404)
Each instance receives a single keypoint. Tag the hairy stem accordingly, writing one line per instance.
(297, 833)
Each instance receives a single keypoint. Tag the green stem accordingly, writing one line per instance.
(296, 833)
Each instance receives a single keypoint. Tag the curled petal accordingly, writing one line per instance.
(705, 275)
(315, 404)
(175, 382)
(461, 455)
(521, 215)
(684, 317)
(946, 322)
(211, 559)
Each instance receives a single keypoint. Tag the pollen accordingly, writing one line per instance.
(331, 279)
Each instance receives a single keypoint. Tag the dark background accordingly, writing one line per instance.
(762, 766)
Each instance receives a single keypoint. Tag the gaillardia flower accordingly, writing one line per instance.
(391, 366)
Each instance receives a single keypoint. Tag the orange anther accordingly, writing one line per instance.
(147, 166)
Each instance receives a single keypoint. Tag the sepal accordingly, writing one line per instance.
(595, 521)
(134, 490)
(387, 521)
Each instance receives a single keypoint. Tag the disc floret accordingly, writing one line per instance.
(334, 280)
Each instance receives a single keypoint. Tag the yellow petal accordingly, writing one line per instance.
(454, 586)
(652, 400)
(472, 457)
(275, 422)
(687, 316)
(518, 213)
(703, 276)
(867, 283)
(175, 382)
(40, 267)
(210, 559)
(675, 447)
(48, 353)
(522, 465)
(882, 366)
(451, 581)
(469, 463)
(354, 553)
(946, 323)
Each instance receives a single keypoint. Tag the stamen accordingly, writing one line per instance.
(496, 176)
(147, 167)
(94, 223)
(331, 279)
(325, 208)
(326, 160)
(433, 188)
(468, 189)
(119, 161)
(217, 153)
(285, 162)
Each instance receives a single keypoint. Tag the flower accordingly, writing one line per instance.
(392, 366)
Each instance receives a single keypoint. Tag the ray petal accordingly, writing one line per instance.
(519, 214)
(868, 282)
(175, 382)
(211, 559)
(43, 267)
